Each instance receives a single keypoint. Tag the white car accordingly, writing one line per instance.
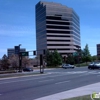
(68, 66)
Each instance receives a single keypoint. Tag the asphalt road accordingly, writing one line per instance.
(55, 81)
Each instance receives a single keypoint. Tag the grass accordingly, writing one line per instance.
(86, 97)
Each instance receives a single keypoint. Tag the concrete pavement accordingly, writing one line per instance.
(85, 90)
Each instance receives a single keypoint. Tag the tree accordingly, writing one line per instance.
(25, 62)
(49, 58)
(77, 56)
(70, 59)
(86, 51)
(94, 58)
(14, 61)
(86, 54)
(57, 58)
(5, 62)
(53, 58)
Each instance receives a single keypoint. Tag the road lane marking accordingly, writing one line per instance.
(22, 80)
(62, 82)
(84, 74)
(66, 73)
(33, 79)
(30, 79)
(46, 80)
(17, 77)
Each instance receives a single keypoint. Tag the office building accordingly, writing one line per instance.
(12, 51)
(57, 28)
(98, 49)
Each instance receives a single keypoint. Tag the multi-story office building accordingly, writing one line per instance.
(57, 28)
(11, 51)
(98, 49)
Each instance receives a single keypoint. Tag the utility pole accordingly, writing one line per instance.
(41, 64)
(20, 58)
(41, 61)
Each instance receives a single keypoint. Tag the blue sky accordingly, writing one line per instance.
(17, 23)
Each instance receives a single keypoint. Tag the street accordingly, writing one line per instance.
(54, 81)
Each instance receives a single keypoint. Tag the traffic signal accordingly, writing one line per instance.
(34, 52)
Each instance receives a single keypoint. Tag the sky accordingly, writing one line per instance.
(17, 23)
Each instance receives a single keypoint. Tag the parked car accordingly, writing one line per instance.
(68, 66)
(94, 65)
(27, 69)
(91, 65)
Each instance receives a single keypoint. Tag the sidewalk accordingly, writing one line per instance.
(85, 90)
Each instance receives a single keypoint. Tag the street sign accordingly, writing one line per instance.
(75, 54)
(24, 53)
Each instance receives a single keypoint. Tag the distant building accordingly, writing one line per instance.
(98, 49)
(57, 28)
(11, 51)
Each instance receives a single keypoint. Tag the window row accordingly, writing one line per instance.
(59, 49)
(59, 40)
(57, 31)
(57, 27)
(58, 45)
(57, 36)
(57, 22)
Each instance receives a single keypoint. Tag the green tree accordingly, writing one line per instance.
(53, 58)
(78, 56)
(57, 58)
(94, 58)
(48, 58)
(70, 59)
(86, 54)
(5, 62)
